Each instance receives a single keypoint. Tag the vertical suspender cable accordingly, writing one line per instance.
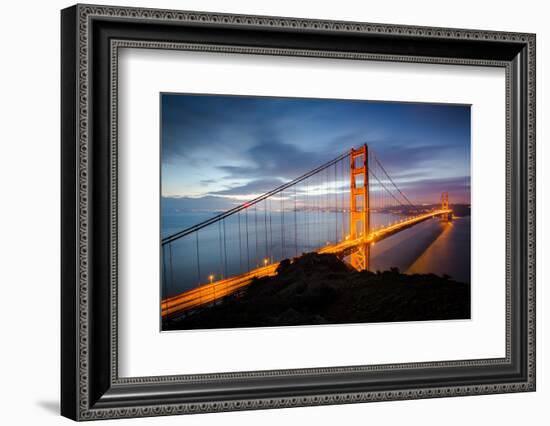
(344, 183)
(171, 268)
(164, 275)
(295, 225)
(247, 245)
(306, 212)
(225, 251)
(282, 225)
(335, 204)
(240, 245)
(256, 230)
(318, 208)
(198, 257)
(327, 202)
(270, 233)
(222, 275)
(265, 229)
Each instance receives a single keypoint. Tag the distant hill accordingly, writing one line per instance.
(458, 209)
(461, 209)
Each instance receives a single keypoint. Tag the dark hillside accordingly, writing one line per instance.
(321, 289)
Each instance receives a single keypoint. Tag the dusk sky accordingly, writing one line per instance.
(219, 151)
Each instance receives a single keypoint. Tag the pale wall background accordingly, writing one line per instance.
(29, 212)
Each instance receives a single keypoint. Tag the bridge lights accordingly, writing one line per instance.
(211, 278)
(266, 262)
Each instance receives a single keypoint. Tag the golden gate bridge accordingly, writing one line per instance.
(342, 207)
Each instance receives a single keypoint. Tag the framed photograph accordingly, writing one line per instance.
(263, 212)
(293, 225)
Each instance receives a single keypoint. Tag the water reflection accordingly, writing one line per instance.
(433, 246)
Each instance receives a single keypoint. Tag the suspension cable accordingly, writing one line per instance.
(384, 186)
(393, 183)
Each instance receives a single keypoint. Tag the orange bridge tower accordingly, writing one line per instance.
(359, 206)
(445, 206)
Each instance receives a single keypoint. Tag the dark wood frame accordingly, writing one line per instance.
(90, 386)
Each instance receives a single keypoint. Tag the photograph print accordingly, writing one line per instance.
(304, 212)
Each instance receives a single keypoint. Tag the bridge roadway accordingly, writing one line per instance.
(208, 293)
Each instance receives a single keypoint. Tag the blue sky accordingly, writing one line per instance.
(228, 149)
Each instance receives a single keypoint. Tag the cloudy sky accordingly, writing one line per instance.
(220, 149)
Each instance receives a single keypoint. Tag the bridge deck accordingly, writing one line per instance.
(208, 293)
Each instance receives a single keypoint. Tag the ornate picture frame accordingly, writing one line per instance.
(91, 37)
